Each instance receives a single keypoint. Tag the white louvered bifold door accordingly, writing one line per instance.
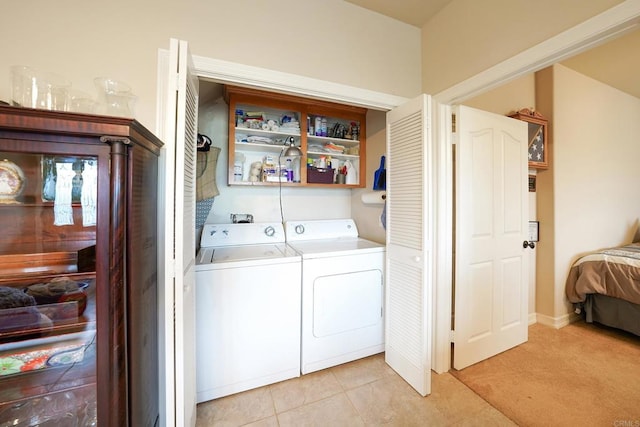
(409, 243)
(182, 75)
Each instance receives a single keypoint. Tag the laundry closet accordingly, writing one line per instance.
(283, 281)
(322, 198)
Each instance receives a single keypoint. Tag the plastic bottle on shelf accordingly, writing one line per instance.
(238, 167)
(324, 126)
(322, 162)
(318, 126)
(289, 170)
(296, 169)
(352, 174)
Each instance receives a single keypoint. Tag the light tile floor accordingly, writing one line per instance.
(366, 392)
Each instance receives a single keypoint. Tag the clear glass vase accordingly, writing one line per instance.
(114, 97)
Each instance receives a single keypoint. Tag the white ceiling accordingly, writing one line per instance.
(616, 63)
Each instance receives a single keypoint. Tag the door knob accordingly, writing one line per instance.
(526, 245)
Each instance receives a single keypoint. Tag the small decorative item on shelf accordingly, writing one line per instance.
(12, 181)
(355, 131)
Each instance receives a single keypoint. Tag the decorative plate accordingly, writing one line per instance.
(12, 181)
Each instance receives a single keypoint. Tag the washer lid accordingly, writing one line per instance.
(244, 253)
(335, 247)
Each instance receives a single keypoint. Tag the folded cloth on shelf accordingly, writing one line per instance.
(260, 139)
(88, 197)
(62, 210)
(331, 147)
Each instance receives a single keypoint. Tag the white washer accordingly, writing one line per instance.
(342, 292)
(247, 309)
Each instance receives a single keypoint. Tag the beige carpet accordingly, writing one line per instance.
(581, 374)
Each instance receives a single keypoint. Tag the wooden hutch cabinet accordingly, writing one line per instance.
(78, 270)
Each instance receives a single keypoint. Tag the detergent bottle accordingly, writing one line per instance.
(352, 173)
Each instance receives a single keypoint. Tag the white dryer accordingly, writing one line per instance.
(247, 309)
(342, 292)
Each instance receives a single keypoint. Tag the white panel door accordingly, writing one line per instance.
(182, 104)
(409, 261)
(491, 264)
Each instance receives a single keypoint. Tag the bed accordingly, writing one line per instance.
(604, 287)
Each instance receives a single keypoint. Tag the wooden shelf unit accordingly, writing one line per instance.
(305, 110)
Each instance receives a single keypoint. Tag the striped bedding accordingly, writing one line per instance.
(614, 272)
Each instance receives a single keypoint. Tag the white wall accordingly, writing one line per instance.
(330, 40)
(367, 215)
(594, 158)
(469, 36)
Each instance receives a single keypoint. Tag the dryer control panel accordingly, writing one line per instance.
(320, 229)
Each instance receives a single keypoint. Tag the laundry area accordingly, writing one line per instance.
(290, 243)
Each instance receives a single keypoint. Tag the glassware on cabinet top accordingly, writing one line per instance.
(33, 88)
(114, 97)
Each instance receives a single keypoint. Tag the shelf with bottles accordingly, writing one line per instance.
(333, 138)
(257, 140)
(336, 130)
(260, 168)
(260, 137)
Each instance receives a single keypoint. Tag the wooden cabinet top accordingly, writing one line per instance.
(55, 123)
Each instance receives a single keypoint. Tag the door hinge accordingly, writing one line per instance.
(453, 123)
(452, 336)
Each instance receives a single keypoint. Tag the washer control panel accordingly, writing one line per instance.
(215, 235)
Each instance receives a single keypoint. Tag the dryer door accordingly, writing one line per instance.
(346, 302)
(342, 309)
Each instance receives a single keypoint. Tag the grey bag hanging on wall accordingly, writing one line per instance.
(206, 186)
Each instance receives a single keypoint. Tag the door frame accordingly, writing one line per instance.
(618, 20)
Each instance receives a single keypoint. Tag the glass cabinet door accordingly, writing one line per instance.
(48, 216)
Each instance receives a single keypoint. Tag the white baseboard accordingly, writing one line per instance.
(532, 318)
(555, 322)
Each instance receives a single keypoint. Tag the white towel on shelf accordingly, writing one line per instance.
(62, 209)
(88, 197)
